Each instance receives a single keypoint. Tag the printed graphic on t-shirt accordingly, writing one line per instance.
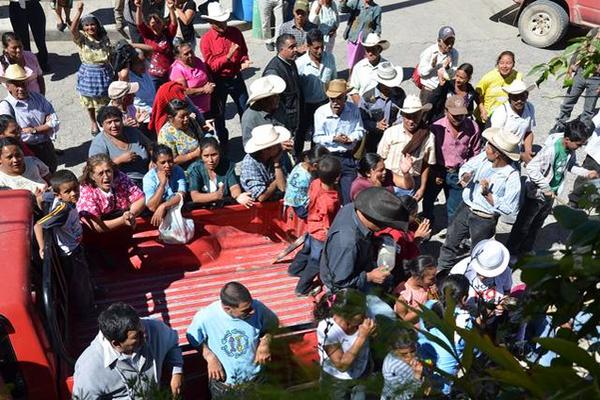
(235, 343)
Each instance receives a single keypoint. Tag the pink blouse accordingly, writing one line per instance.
(195, 77)
(31, 66)
(414, 297)
(95, 202)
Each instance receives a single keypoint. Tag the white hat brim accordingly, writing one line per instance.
(384, 44)
(490, 273)
(487, 134)
(393, 82)
(424, 107)
(279, 86)
(219, 18)
(510, 90)
(252, 147)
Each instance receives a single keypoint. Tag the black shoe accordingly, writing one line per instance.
(270, 46)
(61, 27)
(59, 152)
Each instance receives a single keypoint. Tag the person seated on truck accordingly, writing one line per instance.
(164, 185)
(212, 178)
(262, 174)
(63, 221)
(109, 200)
(233, 335)
(126, 358)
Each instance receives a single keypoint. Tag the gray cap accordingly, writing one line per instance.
(446, 32)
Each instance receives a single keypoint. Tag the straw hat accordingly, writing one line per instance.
(517, 87)
(336, 88)
(118, 89)
(388, 75)
(489, 258)
(14, 72)
(216, 12)
(412, 104)
(373, 40)
(506, 142)
(265, 136)
(264, 87)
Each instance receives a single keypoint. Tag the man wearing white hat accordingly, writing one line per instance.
(517, 115)
(363, 74)
(226, 55)
(492, 185)
(438, 61)
(34, 114)
(263, 105)
(262, 174)
(380, 105)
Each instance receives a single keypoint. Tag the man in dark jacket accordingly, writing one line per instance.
(291, 100)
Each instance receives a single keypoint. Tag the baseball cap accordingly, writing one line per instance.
(301, 5)
(456, 105)
(446, 32)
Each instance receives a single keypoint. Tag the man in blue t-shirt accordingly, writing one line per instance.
(233, 334)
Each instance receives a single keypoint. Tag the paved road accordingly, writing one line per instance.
(410, 25)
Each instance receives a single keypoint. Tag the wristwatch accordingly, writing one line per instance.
(33, 131)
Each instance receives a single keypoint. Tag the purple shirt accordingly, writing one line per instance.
(361, 183)
(451, 151)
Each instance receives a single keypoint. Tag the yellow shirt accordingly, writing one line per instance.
(490, 88)
(92, 51)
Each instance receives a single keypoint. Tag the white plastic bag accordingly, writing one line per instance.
(174, 229)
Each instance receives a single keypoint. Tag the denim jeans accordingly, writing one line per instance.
(408, 192)
(530, 220)
(465, 224)
(580, 84)
(307, 276)
(348, 175)
(452, 191)
(234, 87)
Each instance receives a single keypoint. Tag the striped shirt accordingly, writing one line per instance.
(400, 382)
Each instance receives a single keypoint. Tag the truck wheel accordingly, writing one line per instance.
(543, 23)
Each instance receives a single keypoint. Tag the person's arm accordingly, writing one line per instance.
(404, 312)
(173, 22)
(102, 226)
(537, 165)
(343, 360)
(358, 131)
(425, 62)
(377, 21)
(508, 204)
(320, 136)
(527, 147)
(424, 177)
(74, 28)
(403, 181)
(186, 16)
(197, 338)
(38, 231)
(315, 9)
(383, 148)
(174, 356)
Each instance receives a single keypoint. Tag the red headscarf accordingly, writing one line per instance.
(167, 92)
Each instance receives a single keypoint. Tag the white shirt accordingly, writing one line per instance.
(328, 333)
(32, 178)
(429, 77)
(592, 148)
(363, 75)
(328, 125)
(504, 117)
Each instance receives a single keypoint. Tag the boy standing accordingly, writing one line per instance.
(323, 205)
(66, 227)
(546, 176)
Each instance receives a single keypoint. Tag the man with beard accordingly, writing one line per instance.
(517, 116)
(127, 356)
(291, 99)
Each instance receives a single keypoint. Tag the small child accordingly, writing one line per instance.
(66, 227)
(419, 288)
(402, 371)
(455, 287)
(343, 333)
(324, 203)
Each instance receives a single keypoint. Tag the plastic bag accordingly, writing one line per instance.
(174, 229)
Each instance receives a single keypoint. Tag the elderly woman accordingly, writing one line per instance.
(180, 133)
(127, 147)
(164, 185)
(372, 172)
(324, 14)
(13, 53)
(191, 72)
(108, 199)
(365, 18)
(212, 178)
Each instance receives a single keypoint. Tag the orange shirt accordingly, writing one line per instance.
(323, 205)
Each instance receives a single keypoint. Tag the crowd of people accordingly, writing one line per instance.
(360, 162)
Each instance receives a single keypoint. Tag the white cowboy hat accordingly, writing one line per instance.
(489, 258)
(216, 12)
(373, 40)
(517, 87)
(118, 89)
(14, 72)
(388, 75)
(412, 104)
(264, 136)
(264, 87)
(505, 141)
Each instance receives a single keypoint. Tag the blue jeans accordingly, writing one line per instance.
(348, 175)
(452, 191)
(307, 276)
(234, 87)
(408, 192)
(580, 84)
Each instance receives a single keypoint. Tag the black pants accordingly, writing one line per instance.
(45, 152)
(348, 174)
(234, 87)
(32, 16)
(306, 128)
(580, 181)
(465, 224)
(531, 217)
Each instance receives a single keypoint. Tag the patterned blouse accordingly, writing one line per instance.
(179, 141)
(95, 202)
(92, 51)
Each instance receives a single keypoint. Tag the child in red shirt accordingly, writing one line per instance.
(323, 205)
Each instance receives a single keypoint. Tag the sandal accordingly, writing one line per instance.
(61, 27)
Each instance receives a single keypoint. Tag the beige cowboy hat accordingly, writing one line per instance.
(216, 12)
(373, 40)
(456, 105)
(336, 88)
(388, 75)
(412, 104)
(506, 142)
(265, 136)
(517, 87)
(489, 258)
(266, 86)
(118, 89)
(14, 72)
